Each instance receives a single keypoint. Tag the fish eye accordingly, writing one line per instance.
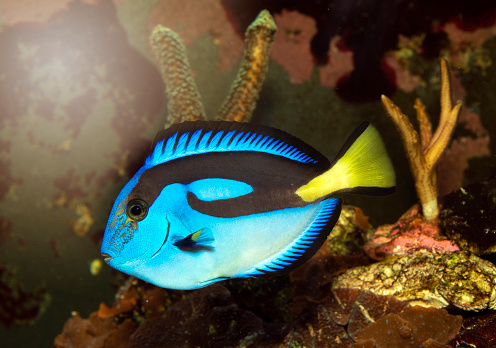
(137, 209)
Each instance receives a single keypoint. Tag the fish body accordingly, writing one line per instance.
(218, 200)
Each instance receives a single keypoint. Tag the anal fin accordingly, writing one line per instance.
(306, 245)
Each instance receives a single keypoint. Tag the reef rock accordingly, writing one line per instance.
(468, 217)
(350, 233)
(430, 280)
(408, 235)
(477, 331)
(413, 327)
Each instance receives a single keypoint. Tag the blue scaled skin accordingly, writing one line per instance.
(219, 200)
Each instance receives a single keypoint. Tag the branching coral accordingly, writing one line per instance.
(424, 153)
(185, 100)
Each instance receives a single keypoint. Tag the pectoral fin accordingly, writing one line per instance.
(196, 241)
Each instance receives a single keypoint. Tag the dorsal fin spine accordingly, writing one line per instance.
(204, 139)
(226, 140)
(288, 150)
(171, 144)
(242, 140)
(276, 143)
(186, 140)
(181, 143)
(216, 139)
(255, 140)
(282, 148)
(189, 143)
(210, 140)
(195, 138)
(259, 141)
(266, 141)
(237, 137)
(249, 140)
(294, 152)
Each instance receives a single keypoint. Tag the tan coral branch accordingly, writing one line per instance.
(243, 96)
(184, 98)
(424, 123)
(423, 153)
(424, 181)
(447, 120)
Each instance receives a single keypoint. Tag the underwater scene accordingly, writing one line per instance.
(263, 173)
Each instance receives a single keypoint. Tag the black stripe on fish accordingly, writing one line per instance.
(273, 162)
(274, 180)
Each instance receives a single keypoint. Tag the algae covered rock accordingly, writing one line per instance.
(430, 280)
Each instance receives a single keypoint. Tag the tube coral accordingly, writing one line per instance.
(184, 99)
(245, 89)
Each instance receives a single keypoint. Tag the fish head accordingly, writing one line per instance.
(133, 233)
(155, 240)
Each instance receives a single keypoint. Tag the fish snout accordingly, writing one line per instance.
(106, 257)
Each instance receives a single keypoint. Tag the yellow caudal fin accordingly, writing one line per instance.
(361, 166)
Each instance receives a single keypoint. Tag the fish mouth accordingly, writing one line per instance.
(106, 257)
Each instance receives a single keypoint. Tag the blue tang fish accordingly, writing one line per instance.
(218, 200)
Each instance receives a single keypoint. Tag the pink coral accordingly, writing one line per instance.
(340, 63)
(31, 11)
(404, 79)
(34, 11)
(459, 37)
(292, 50)
(409, 234)
(191, 19)
(292, 44)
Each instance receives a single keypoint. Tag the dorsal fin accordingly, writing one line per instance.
(197, 137)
